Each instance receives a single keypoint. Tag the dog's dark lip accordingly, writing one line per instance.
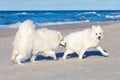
(63, 45)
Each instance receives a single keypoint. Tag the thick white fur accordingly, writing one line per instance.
(46, 41)
(30, 41)
(80, 41)
(23, 42)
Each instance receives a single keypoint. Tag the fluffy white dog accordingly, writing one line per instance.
(45, 42)
(80, 41)
(23, 42)
(29, 41)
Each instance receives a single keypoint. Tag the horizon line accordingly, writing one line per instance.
(63, 10)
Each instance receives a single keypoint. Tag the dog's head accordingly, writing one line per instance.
(97, 32)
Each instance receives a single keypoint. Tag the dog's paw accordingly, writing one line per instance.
(64, 58)
(80, 58)
(55, 59)
(13, 61)
(34, 61)
(106, 55)
(20, 63)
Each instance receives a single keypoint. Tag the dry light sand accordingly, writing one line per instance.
(93, 67)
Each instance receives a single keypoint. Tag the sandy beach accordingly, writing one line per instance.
(93, 67)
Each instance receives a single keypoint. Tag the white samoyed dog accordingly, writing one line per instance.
(45, 42)
(23, 42)
(29, 41)
(80, 41)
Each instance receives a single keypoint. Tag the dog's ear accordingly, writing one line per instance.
(93, 27)
(98, 26)
(59, 35)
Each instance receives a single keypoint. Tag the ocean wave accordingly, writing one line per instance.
(85, 21)
(55, 23)
(90, 13)
(60, 23)
(109, 16)
(21, 13)
(95, 13)
(10, 26)
(48, 13)
(112, 17)
(115, 13)
(16, 25)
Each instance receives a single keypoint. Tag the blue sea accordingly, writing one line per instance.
(12, 19)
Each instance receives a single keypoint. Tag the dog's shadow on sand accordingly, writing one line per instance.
(87, 54)
(92, 53)
(39, 58)
(60, 55)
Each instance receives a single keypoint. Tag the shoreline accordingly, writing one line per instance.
(9, 32)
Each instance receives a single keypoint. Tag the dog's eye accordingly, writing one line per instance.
(96, 34)
(99, 33)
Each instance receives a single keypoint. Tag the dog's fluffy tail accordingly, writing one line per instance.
(27, 26)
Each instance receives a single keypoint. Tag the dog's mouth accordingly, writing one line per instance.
(62, 43)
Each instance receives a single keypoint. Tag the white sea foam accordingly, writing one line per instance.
(60, 23)
(21, 13)
(92, 13)
(115, 16)
(10, 26)
(48, 13)
(16, 25)
(78, 14)
(109, 16)
(85, 21)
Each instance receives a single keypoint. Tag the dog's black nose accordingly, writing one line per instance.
(99, 37)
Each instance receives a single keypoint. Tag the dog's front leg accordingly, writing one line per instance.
(66, 53)
(102, 51)
(50, 53)
(81, 54)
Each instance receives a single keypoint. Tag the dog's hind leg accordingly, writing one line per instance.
(18, 59)
(81, 54)
(14, 55)
(50, 53)
(34, 54)
(66, 53)
(53, 55)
